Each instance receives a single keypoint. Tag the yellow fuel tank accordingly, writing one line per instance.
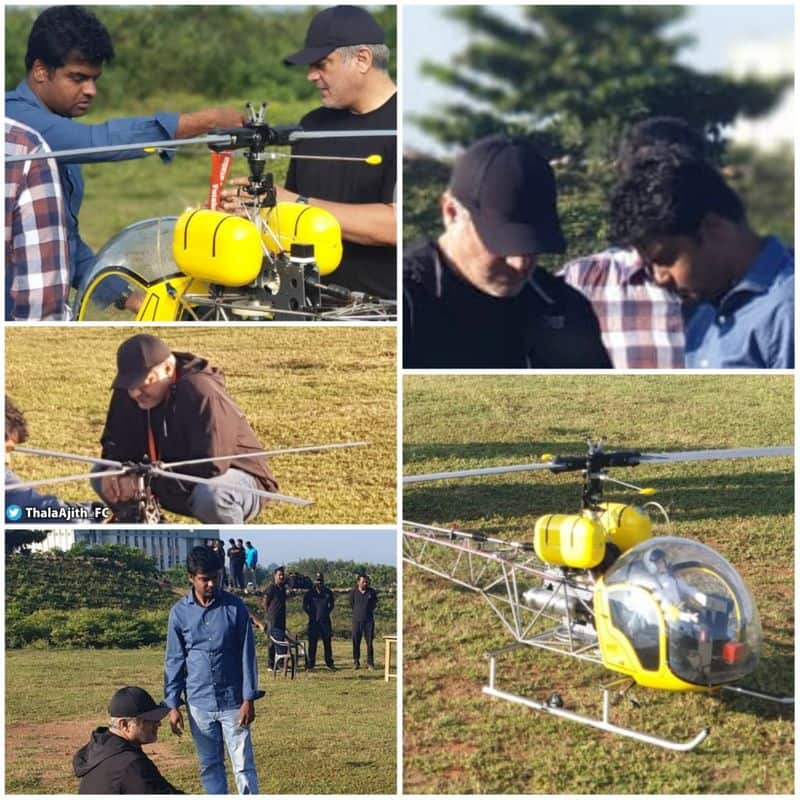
(569, 540)
(217, 247)
(625, 526)
(298, 223)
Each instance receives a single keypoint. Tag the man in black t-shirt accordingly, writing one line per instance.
(347, 59)
(363, 600)
(275, 609)
(475, 297)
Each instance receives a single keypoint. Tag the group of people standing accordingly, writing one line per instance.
(242, 563)
(318, 603)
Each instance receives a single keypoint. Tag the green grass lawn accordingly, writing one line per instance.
(296, 385)
(323, 733)
(456, 740)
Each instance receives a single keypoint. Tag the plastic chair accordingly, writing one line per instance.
(287, 653)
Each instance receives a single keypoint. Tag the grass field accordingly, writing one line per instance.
(296, 385)
(323, 733)
(458, 741)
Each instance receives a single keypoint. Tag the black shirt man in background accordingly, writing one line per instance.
(363, 600)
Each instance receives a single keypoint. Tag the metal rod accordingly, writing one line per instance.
(120, 148)
(103, 462)
(284, 451)
(283, 498)
(470, 473)
(65, 479)
(681, 747)
(299, 135)
(760, 695)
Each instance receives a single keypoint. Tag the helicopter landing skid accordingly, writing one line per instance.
(603, 724)
(759, 695)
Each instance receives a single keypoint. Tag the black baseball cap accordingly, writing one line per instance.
(319, 577)
(338, 26)
(136, 357)
(131, 701)
(510, 191)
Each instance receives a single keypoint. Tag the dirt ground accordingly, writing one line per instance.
(40, 755)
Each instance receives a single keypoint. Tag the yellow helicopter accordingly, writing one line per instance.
(207, 265)
(665, 612)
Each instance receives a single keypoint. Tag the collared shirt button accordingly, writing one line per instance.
(722, 319)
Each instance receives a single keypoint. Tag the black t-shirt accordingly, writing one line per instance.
(275, 605)
(449, 324)
(370, 269)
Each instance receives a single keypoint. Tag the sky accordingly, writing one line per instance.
(725, 36)
(372, 546)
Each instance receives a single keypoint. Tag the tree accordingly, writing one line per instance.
(20, 541)
(573, 79)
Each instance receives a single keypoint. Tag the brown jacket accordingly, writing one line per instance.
(198, 420)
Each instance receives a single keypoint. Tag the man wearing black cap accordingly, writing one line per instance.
(347, 59)
(113, 761)
(173, 407)
(475, 298)
(318, 604)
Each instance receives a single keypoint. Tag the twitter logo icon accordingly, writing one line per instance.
(13, 513)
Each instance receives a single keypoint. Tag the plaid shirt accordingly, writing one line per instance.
(37, 259)
(641, 323)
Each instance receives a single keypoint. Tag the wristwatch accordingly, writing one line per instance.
(301, 198)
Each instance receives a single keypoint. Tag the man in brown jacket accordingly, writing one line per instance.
(172, 406)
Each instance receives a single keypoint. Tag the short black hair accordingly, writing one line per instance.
(61, 32)
(668, 193)
(16, 427)
(277, 570)
(202, 561)
(653, 132)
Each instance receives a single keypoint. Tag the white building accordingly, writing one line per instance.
(169, 548)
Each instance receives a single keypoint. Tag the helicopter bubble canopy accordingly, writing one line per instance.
(137, 256)
(685, 612)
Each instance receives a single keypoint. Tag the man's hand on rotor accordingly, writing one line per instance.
(116, 489)
(176, 721)
(231, 199)
(247, 713)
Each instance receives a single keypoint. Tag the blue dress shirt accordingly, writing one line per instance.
(211, 654)
(63, 133)
(752, 326)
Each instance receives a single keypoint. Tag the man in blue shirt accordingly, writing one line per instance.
(691, 230)
(67, 48)
(211, 658)
(250, 564)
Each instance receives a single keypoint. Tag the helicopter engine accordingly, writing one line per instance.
(673, 614)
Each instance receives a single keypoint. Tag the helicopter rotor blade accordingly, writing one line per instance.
(300, 135)
(653, 458)
(283, 498)
(85, 476)
(149, 147)
(715, 455)
(474, 473)
(301, 449)
(103, 462)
